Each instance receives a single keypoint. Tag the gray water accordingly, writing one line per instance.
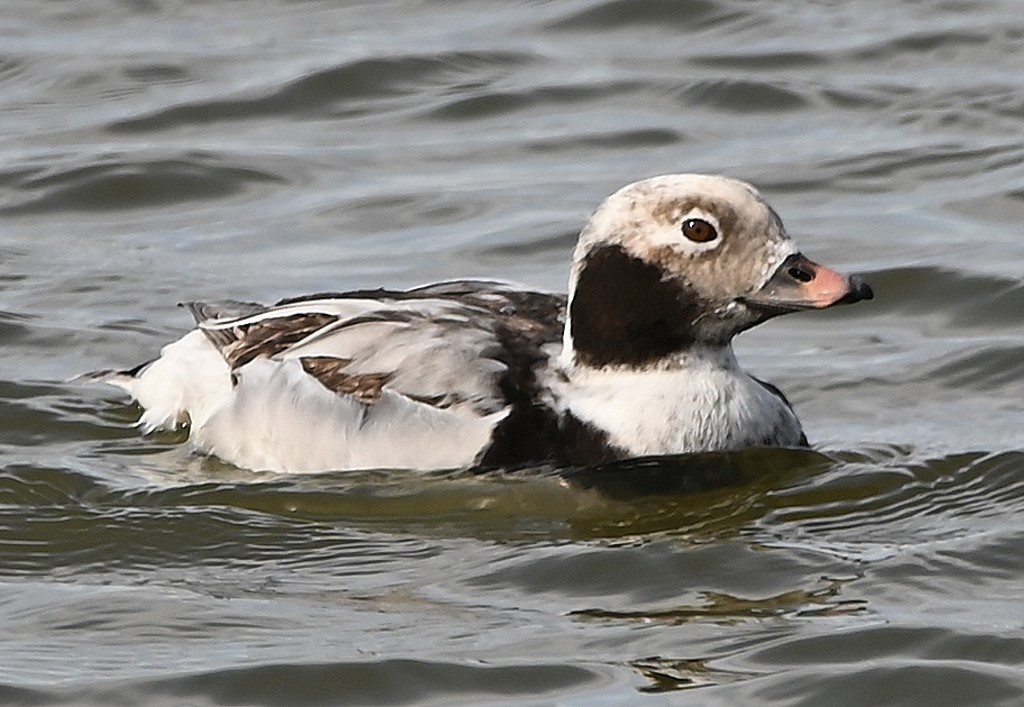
(155, 151)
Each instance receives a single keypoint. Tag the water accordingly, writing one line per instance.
(159, 151)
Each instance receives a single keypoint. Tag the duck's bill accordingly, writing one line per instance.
(800, 283)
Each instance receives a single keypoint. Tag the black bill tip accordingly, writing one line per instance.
(859, 290)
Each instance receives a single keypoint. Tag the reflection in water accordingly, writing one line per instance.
(729, 609)
(670, 674)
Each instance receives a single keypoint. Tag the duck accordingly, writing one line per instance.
(636, 360)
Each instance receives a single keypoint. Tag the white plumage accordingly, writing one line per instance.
(637, 361)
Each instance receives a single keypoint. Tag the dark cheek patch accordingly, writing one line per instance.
(624, 313)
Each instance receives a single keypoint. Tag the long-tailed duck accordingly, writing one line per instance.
(637, 360)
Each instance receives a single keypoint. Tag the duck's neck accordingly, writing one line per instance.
(698, 357)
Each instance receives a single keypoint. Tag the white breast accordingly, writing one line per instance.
(706, 403)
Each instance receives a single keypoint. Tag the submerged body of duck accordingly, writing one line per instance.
(636, 360)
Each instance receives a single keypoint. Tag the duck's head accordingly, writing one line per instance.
(684, 260)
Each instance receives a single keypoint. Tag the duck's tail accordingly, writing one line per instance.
(182, 387)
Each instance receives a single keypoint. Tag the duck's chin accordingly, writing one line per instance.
(735, 317)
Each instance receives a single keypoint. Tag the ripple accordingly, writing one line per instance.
(370, 682)
(618, 139)
(76, 527)
(761, 61)
(964, 299)
(331, 91)
(267, 517)
(124, 185)
(872, 99)
(136, 572)
(378, 682)
(495, 103)
(995, 368)
(879, 666)
(922, 42)
(155, 74)
(927, 643)
(1006, 206)
(14, 327)
(47, 487)
(10, 68)
(17, 175)
(406, 210)
(854, 511)
(937, 161)
(559, 243)
(743, 96)
(618, 14)
(899, 682)
(40, 414)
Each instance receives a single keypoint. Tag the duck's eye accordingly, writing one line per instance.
(698, 230)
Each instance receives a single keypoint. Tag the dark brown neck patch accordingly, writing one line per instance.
(624, 312)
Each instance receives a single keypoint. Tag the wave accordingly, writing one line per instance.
(331, 91)
(121, 184)
(369, 682)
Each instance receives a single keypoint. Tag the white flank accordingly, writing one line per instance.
(276, 417)
(279, 418)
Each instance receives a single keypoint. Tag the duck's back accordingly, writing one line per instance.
(422, 378)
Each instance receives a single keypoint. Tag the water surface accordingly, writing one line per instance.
(159, 151)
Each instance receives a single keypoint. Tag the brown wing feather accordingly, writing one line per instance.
(329, 371)
(265, 338)
(523, 323)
